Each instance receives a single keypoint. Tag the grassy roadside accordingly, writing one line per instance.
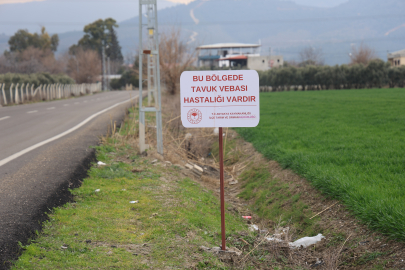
(175, 215)
(172, 218)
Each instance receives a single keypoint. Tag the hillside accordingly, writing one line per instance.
(287, 27)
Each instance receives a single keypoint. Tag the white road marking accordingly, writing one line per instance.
(4, 118)
(51, 108)
(32, 111)
(65, 104)
(35, 146)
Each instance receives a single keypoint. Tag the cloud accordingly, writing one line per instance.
(2, 2)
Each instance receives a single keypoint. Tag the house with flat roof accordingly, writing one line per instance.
(397, 58)
(236, 55)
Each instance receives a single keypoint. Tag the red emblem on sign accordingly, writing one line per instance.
(194, 116)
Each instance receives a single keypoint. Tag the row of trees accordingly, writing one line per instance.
(32, 53)
(376, 73)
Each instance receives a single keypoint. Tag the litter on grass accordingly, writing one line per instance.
(247, 217)
(273, 239)
(253, 228)
(100, 163)
(97, 190)
(133, 202)
(188, 136)
(302, 242)
(307, 241)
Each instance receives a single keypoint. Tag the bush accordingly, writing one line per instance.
(128, 77)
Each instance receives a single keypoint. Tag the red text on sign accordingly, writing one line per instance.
(217, 78)
(219, 99)
(228, 88)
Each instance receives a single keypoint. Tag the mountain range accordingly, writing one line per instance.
(282, 27)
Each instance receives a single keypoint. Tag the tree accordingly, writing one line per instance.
(98, 34)
(311, 56)
(114, 50)
(22, 39)
(174, 57)
(377, 73)
(84, 66)
(362, 54)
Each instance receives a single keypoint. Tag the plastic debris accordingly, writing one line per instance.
(307, 241)
(100, 163)
(233, 182)
(123, 189)
(188, 136)
(253, 228)
(247, 217)
(273, 239)
(189, 166)
(317, 263)
(154, 161)
(97, 190)
(133, 202)
(216, 131)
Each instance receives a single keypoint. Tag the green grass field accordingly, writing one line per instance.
(348, 143)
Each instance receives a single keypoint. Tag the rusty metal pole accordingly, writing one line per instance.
(221, 182)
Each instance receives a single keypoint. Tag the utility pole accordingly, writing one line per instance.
(153, 73)
(103, 62)
(108, 73)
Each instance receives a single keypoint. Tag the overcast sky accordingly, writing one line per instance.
(320, 3)
(60, 16)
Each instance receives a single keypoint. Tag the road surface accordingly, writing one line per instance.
(44, 150)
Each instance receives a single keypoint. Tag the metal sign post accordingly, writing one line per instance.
(221, 187)
(220, 99)
(153, 73)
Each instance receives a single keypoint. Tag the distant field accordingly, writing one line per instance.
(348, 143)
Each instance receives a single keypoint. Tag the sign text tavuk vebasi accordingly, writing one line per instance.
(219, 98)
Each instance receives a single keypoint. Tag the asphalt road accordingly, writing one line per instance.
(44, 151)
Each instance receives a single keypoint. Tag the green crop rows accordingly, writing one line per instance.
(348, 143)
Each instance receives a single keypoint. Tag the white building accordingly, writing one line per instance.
(397, 58)
(236, 55)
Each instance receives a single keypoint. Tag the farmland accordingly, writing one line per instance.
(348, 143)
